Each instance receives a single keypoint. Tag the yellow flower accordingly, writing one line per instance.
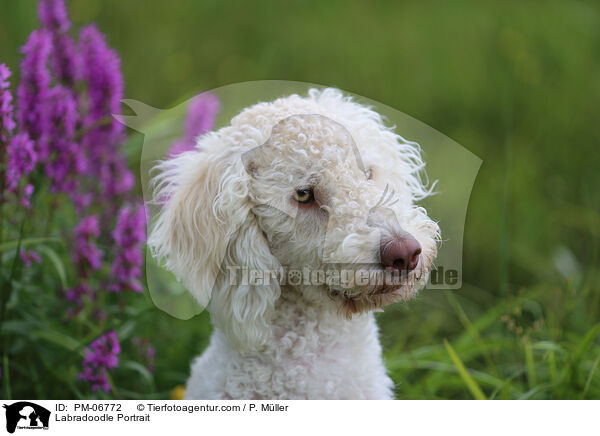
(178, 393)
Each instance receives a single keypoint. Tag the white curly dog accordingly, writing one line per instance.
(293, 225)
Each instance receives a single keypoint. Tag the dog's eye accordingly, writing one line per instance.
(369, 173)
(304, 196)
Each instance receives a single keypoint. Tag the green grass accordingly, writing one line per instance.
(517, 83)
(504, 354)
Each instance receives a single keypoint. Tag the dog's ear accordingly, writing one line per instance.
(206, 234)
(247, 287)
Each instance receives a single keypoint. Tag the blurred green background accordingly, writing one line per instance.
(517, 83)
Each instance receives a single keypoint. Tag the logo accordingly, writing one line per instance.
(26, 415)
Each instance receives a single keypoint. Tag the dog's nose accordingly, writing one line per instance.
(401, 253)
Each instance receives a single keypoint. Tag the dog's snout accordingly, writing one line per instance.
(401, 253)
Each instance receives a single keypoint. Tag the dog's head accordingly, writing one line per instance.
(318, 185)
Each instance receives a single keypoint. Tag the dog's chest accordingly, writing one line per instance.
(316, 358)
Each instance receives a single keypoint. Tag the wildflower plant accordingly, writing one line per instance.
(72, 224)
(101, 356)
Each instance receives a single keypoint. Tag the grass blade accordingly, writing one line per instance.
(529, 362)
(56, 262)
(58, 338)
(591, 376)
(552, 366)
(535, 390)
(10, 245)
(585, 343)
(6, 377)
(464, 374)
(464, 320)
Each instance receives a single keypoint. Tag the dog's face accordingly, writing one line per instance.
(317, 184)
(353, 234)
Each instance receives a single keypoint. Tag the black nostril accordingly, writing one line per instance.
(399, 263)
(401, 253)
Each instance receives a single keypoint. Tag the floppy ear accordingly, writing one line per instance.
(242, 305)
(205, 230)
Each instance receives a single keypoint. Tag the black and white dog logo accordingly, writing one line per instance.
(26, 415)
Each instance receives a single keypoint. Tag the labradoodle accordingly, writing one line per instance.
(292, 225)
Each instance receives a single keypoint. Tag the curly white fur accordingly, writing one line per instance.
(229, 204)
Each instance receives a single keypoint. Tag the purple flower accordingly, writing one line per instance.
(82, 200)
(102, 354)
(54, 18)
(115, 177)
(7, 123)
(75, 294)
(29, 256)
(101, 69)
(65, 59)
(27, 191)
(65, 160)
(53, 15)
(103, 351)
(21, 160)
(97, 377)
(201, 115)
(78, 296)
(4, 76)
(129, 236)
(102, 73)
(86, 253)
(88, 227)
(34, 86)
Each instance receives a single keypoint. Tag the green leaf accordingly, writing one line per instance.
(585, 343)
(571, 372)
(464, 374)
(57, 262)
(464, 319)
(58, 338)
(529, 361)
(17, 326)
(125, 330)
(591, 376)
(11, 245)
(548, 346)
(552, 366)
(140, 369)
(535, 390)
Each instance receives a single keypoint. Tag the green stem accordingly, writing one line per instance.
(6, 376)
(466, 322)
(530, 363)
(50, 217)
(591, 376)
(552, 366)
(9, 288)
